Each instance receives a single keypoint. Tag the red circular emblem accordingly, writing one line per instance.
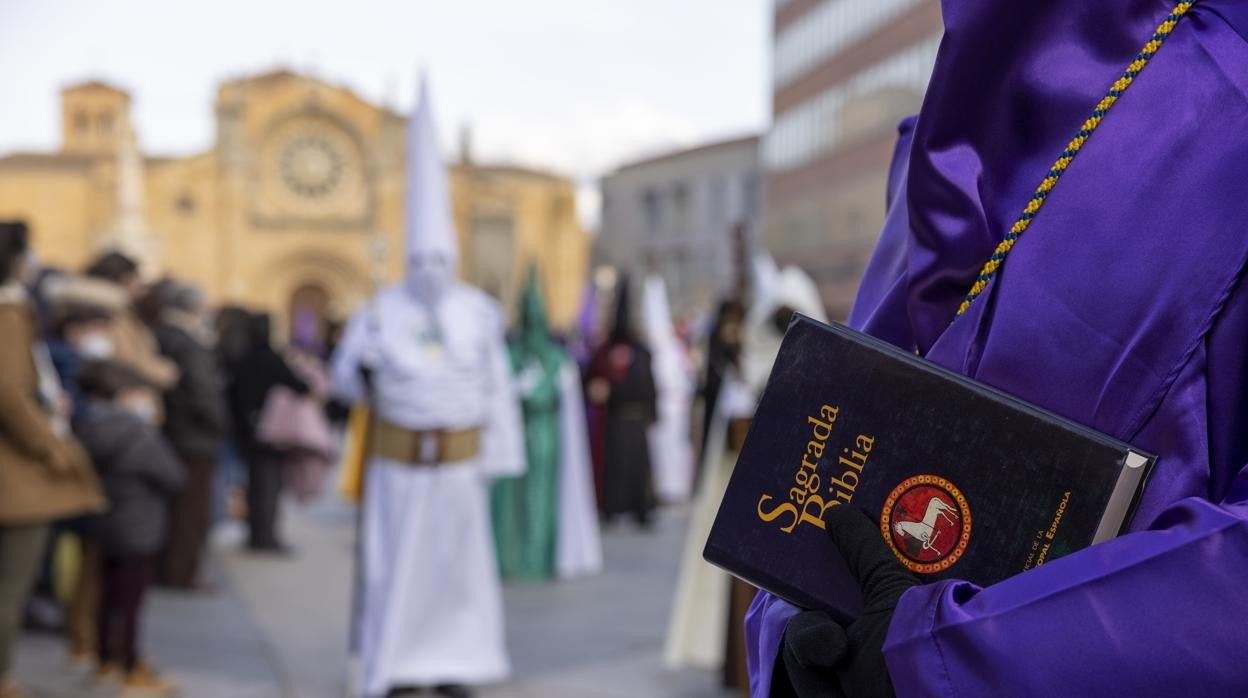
(927, 523)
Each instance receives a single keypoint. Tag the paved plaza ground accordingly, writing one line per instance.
(277, 628)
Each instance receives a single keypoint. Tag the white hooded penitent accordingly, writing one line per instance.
(429, 607)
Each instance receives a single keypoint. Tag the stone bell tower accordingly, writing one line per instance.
(95, 119)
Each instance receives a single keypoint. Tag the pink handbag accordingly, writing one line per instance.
(290, 421)
(297, 426)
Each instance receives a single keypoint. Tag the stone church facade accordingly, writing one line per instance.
(298, 206)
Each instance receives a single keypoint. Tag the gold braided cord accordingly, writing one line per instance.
(1072, 149)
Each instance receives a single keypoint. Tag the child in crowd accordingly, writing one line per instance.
(77, 335)
(139, 472)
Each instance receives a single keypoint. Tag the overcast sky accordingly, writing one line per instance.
(576, 86)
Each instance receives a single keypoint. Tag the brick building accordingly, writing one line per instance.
(843, 74)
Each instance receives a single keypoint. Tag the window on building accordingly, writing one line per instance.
(718, 212)
(815, 127)
(652, 207)
(104, 124)
(185, 204)
(680, 207)
(81, 123)
(751, 196)
(828, 28)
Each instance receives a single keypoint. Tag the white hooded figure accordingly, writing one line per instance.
(428, 354)
(671, 448)
(696, 634)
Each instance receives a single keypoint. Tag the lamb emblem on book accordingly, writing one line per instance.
(925, 531)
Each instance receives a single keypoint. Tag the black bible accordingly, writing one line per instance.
(963, 480)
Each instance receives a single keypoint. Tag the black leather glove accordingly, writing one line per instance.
(825, 660)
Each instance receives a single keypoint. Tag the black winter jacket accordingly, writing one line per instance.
(139, 472)
(196, 420)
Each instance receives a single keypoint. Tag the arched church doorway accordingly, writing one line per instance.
(309, 316)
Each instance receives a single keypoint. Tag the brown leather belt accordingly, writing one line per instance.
(738, 427)
(407, 446)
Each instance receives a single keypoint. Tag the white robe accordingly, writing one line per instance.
(697, 628)
(431, 604)
(578, 544)
(671, 446)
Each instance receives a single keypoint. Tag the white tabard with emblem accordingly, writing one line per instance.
(431, 606)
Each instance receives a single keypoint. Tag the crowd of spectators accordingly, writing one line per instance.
(132, 417)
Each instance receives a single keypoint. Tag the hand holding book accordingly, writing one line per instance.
(816, 645)
(961, 480)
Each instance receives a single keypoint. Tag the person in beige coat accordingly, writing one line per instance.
(44, 473)
(134, 343)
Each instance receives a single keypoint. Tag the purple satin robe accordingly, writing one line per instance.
(1121, 308)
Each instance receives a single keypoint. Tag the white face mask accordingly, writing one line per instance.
(429, 275)
(95, 346)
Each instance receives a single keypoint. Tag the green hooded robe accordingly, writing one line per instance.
(525, 508)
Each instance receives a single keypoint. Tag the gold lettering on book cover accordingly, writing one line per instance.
(1039, 552)
(807, 501)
